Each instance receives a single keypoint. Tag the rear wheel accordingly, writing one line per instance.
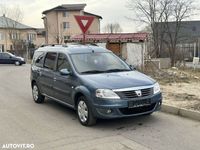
(84, 112)
(37, 96)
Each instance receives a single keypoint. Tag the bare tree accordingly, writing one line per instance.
(157, 14)
(150, 12)
(113, 28)
(179, 11)
(12, 17)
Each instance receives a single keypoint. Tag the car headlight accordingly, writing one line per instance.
(106, 93)
(156, 88)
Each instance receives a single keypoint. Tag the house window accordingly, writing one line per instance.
(65, 25)
(1, 48)
(14, 36)
(66, 37)
(65, 14)
(31, 37)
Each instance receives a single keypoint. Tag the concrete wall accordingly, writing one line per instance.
(40, 40)
(101, 45)
(133, 53)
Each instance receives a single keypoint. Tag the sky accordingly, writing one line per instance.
(112, 11)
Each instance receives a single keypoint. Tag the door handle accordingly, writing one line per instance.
(54, 79)
(39, 72)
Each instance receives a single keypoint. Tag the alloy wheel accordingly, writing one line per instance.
(83, 111)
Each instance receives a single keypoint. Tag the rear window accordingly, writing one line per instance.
(50, 60)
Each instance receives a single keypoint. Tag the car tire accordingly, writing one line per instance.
(17, 63)
(84, 112)
(37, 96)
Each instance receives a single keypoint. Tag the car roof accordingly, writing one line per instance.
(73, 49)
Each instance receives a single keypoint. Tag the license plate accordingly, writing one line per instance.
(139, 103)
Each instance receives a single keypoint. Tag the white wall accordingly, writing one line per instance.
(101, 45)
(135, 53)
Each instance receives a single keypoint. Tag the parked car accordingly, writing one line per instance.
(8, 58)
(93, 81)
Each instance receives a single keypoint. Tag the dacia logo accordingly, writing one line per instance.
(139, 93)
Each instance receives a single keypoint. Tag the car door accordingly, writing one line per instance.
(1, 60)
(47, 74)
(5, 58)
(64, 84)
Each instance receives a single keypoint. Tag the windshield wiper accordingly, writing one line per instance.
(92, 71)
(117, 70)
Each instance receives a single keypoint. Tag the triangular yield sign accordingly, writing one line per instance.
(84, 22)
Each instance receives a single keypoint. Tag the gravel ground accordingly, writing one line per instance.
(183, 95)
(181, 88)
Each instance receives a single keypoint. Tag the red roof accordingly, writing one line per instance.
(114, 37)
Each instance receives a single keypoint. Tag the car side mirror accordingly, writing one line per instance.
(65, 72)
(132, 67)
(10, 57)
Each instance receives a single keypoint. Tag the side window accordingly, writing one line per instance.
(5, 55)
(50, 60)
(63, 62)
(38, 58)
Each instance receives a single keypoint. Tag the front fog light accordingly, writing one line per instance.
(108, 111)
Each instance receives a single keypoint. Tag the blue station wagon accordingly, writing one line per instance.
(93, 81)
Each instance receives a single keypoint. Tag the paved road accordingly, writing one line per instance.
(53, 126)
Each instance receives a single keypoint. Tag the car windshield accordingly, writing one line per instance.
(90, 63)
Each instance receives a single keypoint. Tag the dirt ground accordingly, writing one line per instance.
(181, 88)
(184, 95)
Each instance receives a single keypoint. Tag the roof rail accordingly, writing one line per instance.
(53, 45)
(92, 44)
(67, 44)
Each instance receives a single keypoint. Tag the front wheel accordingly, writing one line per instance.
(37, 96)
(17, 63)
(84, 112)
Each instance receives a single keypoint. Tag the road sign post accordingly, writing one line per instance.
(84, 23)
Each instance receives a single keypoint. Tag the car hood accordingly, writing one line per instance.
(19, 58)
(117, 80)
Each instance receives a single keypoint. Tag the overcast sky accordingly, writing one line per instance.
(111, 11)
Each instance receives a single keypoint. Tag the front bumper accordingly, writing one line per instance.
(120, 108)
(22, 62)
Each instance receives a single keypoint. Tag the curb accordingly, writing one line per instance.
(195, 115)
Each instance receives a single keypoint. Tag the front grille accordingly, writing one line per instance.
(133, 94)
(137, 110)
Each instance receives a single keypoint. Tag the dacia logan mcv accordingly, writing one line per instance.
(93, 81)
